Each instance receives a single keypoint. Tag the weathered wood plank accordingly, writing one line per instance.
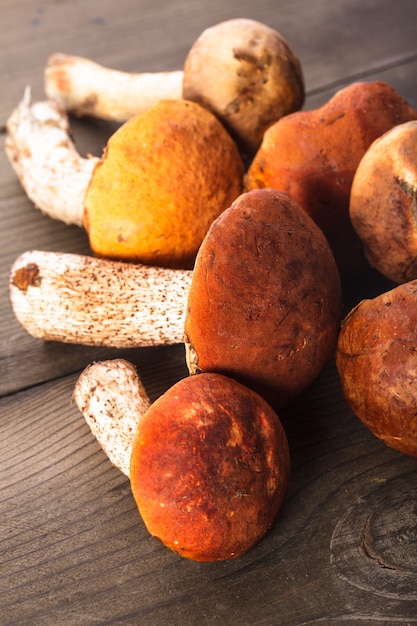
(73, 549)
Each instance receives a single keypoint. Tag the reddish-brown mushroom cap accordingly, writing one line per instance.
(376, 358)
(313, 156)
(209, 468)
(264, 304)
(383, 203)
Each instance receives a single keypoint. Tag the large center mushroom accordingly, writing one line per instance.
(264, 304)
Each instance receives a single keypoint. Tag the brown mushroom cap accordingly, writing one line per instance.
(376, 358)
(209, 468)
(166, 174)
(383, 203)
(264, 304)
(246, 73)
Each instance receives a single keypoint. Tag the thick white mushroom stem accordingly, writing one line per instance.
(78, 299)
(85, 87)
(40, 149)
(112, 399)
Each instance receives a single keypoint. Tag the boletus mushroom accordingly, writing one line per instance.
(165, 175)
(247, 74)
(264, 305)
(376, 357)
(383, 206)
(242, 70)
(209, 459)
(313, 155)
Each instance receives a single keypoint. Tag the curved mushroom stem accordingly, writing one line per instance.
(46, 161)
(112, 399)
(85, 87)
(79, 299)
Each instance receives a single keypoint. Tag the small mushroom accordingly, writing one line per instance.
(383, 203)
(247, 74)
(240, 69)
(209, 460)
(78, 299)
(165, 175)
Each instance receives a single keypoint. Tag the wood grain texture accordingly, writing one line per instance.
(73, 550)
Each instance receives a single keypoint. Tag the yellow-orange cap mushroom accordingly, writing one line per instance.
(166, 174)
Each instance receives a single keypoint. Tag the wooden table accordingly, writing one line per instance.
(73, 549)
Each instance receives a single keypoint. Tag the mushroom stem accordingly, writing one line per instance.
(84, 300)
(85, 87)
(112, 399)
(52, 172)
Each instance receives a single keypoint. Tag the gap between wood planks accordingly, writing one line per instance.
(397, 62)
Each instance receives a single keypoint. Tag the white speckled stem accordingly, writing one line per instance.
(79, 299)
(88, 88)
(46, 161)
(112, 399)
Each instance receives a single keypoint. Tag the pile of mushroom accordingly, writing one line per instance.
(262, 319)
(172, 167)
(243, 266)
